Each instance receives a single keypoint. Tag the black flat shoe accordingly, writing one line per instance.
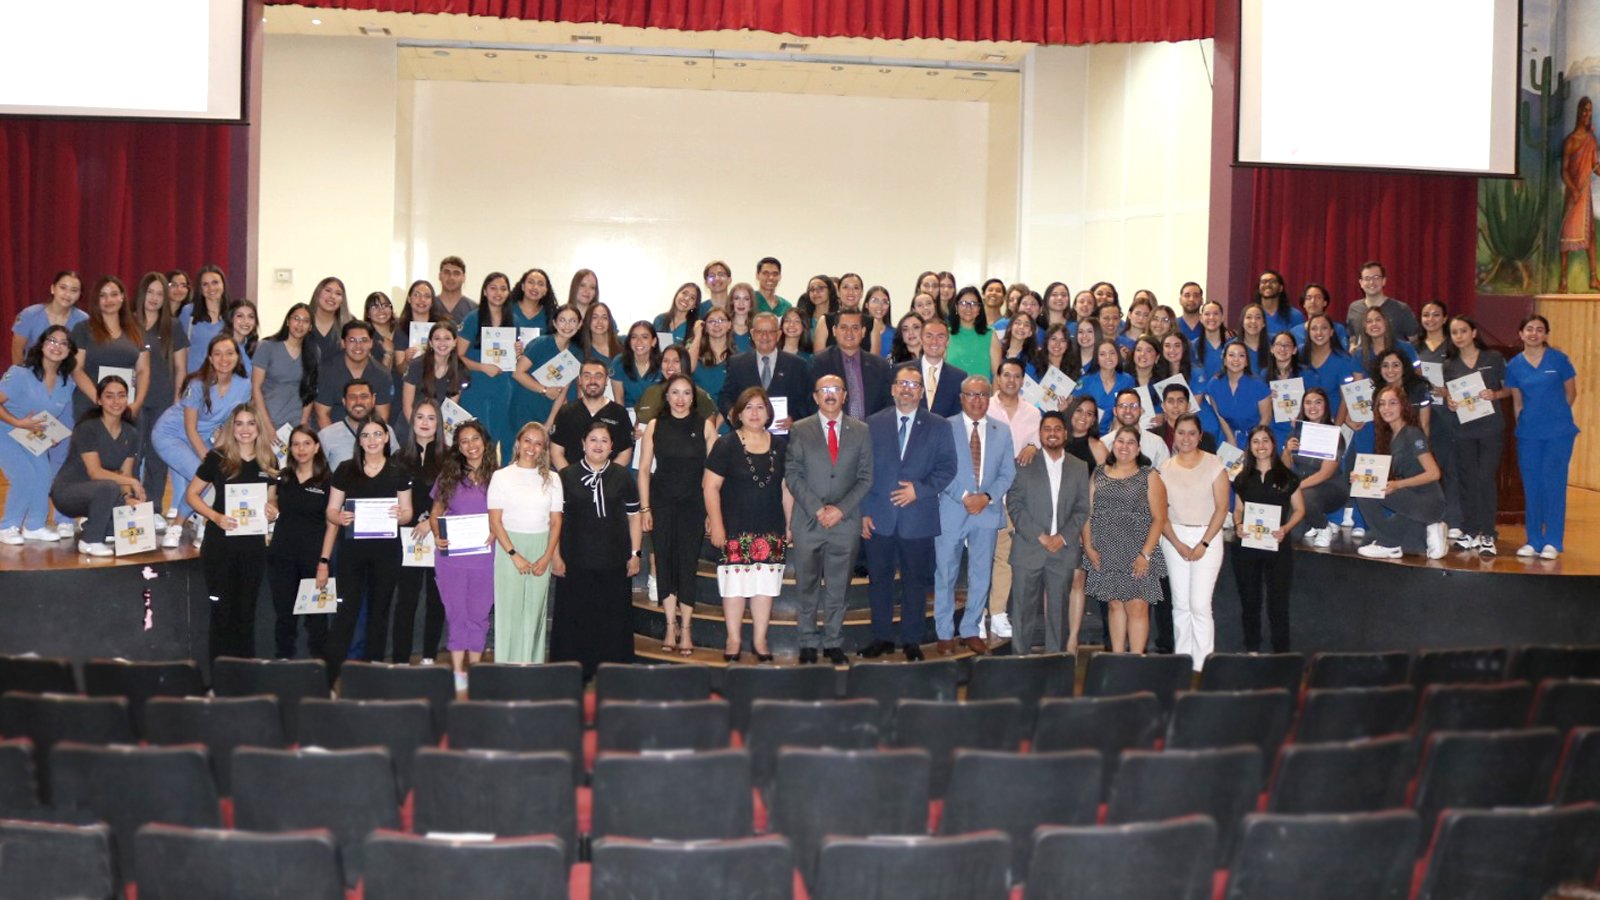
(836, 656)
(808, 655)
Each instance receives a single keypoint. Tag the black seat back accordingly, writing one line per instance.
(1473, 707)
(46, 860)
(847, 792)
(19, 789)
(526, 681)
(1479, 770)
(617, 681)
(1029, 679)
(1567, 703)
(1108, 725)
(1580, 769)
(1509, 854)
(1018, 792)
(37, 675)
(675, 796)
(743, 685)
(1115, 674)
(1345, 714)
(1353, 670)
(835, 724)
(290, 680)
(496, 792)
(176, 863)
(139, 681)
(1220, 784)
(941, 728)
(888, 683)
(964, 867)
(1142, 861)
(220, 723)
(129, 787)
(750, 869)
(400, 726)
(1309, 857)
(1253, 672)
(46, 720)
(1459, 666)
(1341, 777)
(408, 867)
(520, 726)
(1536, 663)
(635, 725)
(390, 681)
(1208, 720)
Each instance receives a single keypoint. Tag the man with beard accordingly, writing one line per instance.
(594, 405)
(1048, 502)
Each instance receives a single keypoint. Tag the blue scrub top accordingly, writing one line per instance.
(1334, 371)
(1189, 334)
(1340, 336)
(680, 334)
(1275, 325)
(26, 396)
(1212, 364)
(1092, 386)
(34, 320)
(1239, 405)
(200, 336)
(1545, 412)
(222, 403)
(632, 388)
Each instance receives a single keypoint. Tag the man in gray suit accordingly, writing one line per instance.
(1048, 502)
(829, 471)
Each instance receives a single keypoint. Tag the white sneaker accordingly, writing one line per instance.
(1000, 624)
(11, 536)
(461, 682)
(48, 535)
(1466, 541)
(171, 513)
(1324, 538)
(172, 538)
(199, 529)
(1487, 546)
(161, 525)
(427, 660)
(1526, 550)
(95, 549)
(1379, 551)
(983, 627)
(1357, 533)
(67, 530)
(1549, 552)
(1455, 533)
(1438, 543)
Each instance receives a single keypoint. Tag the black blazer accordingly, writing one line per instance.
(789, 379)
(948, 400)
(875, 376)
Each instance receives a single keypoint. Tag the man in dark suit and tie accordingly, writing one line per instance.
(1048, 502)
(782, 374)
(866, 375)
(941, 382)
(828, 472)
(913, 459)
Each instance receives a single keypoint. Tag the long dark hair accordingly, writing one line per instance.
(1451, 351)
(1382, 435)
(487, 310)
(254, 336)
(164, 322)
(201, 312)
(454, 469)
(1334, 347)
(980, 324)
(127, 320)
(207, 376)
(34, 360)
(1279, 476)
(1202, 347)
(309, 363)
(319, 460)
(1408, 373)
(100, 389)
(547, 304)
(456, 371)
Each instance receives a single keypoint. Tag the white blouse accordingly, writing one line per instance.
(524, 498)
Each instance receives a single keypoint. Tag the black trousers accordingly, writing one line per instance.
(1252, 568)
(413, 581)
(284, 574)
(1478, 466)
(1161, 636)
(367, 569)
(233, 568)
(92, 499)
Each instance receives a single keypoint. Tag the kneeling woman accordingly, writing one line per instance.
(466, 578)
(99, 473)
(1399, 522)
(598, 557)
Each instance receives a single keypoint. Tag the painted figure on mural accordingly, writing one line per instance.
(1580, 158)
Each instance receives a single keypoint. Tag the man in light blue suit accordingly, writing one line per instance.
(971, 515)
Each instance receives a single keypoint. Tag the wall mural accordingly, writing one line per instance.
(1537, 234)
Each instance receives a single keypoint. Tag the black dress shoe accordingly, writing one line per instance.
(876, 649)
(913, 653)
(808, 655)
(763, 657)
(836, 656)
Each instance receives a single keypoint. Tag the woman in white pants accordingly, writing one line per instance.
(1197, 502)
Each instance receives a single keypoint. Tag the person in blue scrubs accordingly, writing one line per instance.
(489, 397)
(681, 316)
(1103, 384)
(1543, 386)
(711, 353)
(532, 400)
(183, 434)
(1314, 302)
(532, 301)
(1213, 337)
(639, 366)
(1324, 362)
(61, 309)
(1377, 336)
(1241, 400)
(41, 384)
(1283, 363)
(1280, 315)
(206, 317)
(1253, 335)
(1190, 298)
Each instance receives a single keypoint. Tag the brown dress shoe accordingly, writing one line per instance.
(947, 647)
(976, 645)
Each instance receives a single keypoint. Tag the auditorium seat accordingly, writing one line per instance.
(526, 681)
(139, 681)
(1029, 679)
(1357, 776)
(1483, 769)
(349, 792)
(408, 867)
(1358, 670)
(1579, 781)
(176, 863)
(1566, 703)
(19, 790)
(220, 723)
(1465, 665)
(1109, 725)
(496, 792)
(1017, 793)
(1325, 857)
(742, 685)
(40, 859)
(890, 682)
(290, 680)
(400, 726)
(1346, 714)
(520, 726)
(941, 728)
(1472, 707)
(847, 792)
(1115, 674)
(391, 681)
(1253, 672)
(1140, 861)
(635, 725)
(1205, 720)
(48, 719)
(619, 681)
(962, 867)
(675, 796)
(1220, 784)
(37, 675)
(1536, 663)
(833, 724)
(758, 868)
(1511, 854)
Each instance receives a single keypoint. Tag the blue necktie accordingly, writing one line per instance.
(905, 429)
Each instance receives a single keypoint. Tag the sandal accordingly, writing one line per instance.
(670, 642)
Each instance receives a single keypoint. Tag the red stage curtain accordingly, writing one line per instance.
(107, 198)
(1036, 21)
(1322, 225)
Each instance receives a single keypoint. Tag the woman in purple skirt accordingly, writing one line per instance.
(464, 571)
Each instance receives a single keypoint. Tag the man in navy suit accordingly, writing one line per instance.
(912, 461)
(970, 514)
(941, 381)
(866, 375)
(782, 374)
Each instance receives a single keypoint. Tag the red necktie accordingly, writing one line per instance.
(833, 443)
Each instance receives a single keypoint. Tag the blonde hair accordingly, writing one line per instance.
(542, 465)
(228, 448)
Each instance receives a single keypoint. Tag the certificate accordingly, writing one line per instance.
(527, 336)
(1232, 459)
(780, 411)
(1358, 399)
(1057, 387)
(665, 339)
(246, 504)
(1286, 396)
(419, 333)
(1370, 475)
(1033, 392)
(1260, 521)
(124, 373)
(1434, 372)
(1160, 391)
(467, 535)
(560, 371)
(310, 601)
(416, 553)
(374, 520)
(499, 348)
(1467, 392)
(280, 447)
(1319, 441)
(40, 443)
(451, 415)
(133, 528)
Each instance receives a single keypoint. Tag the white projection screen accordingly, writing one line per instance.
(126, 59)
(1379, 84)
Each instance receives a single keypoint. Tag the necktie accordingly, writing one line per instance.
(833, 443)
(933, 385)
(904, 428)
(977, 456)
(766, 372)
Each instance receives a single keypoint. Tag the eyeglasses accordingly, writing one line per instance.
(56, 342)
(908, 383)
(1128, 406)
(382, 304)
(966, 303)
(830, 390)
(974, 395)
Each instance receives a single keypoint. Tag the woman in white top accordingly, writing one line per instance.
(1197, 502)
(525, 516)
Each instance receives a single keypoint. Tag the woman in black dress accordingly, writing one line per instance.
(422, 455)
(297, 541)
(599, 556)
(676, 442)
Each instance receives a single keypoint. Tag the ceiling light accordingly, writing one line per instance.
(590, 58)
(884, 71)
(441, 53)
(931, 74)
(837, 68)
(980, 74)
(541, 56)
(586, 39)
(739, 65)
(793, 47)
(316, 21)
(490, 55)
(994, 57)
(690, 62)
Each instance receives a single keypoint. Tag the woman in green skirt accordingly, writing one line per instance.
(525, 516)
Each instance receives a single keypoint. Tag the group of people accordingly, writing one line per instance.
(1060, 446)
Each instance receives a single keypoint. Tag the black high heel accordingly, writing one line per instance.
(733, 657)
(764, 657)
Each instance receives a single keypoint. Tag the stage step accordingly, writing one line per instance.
(708, 629)
(648, 650)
